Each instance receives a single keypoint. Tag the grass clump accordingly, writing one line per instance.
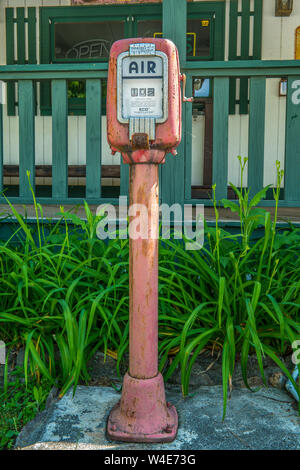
(18, 405)
(238, 294)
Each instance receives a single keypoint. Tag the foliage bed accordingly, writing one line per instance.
(64, 294)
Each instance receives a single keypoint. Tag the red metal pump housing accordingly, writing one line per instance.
(144, 99)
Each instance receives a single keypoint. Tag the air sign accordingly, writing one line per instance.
(143, 84)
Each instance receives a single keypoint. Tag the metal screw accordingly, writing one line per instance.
(168, 429)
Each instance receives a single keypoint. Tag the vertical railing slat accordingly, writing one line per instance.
(245, 29)
(21, 35)
(244, 84)
(233, 18)
(124, 175)
(172, 172)
(232, 53)
(10, 59)
(257, 29)
(93, 138)
(32, 35)
(59, 139)
(220, 136)
(256, 141)
(292, 141)
(26, 137)
(32, 56)
(187, 110)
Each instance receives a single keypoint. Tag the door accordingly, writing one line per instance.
(205, 41)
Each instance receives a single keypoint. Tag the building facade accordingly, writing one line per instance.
(241, 67)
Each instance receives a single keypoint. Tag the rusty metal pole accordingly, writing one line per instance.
(142, 415)
(143, 273)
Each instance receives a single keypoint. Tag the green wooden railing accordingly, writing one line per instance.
(257, 72)
(26, 76)
(221, 72)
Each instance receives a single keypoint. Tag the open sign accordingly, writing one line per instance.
(142, 84)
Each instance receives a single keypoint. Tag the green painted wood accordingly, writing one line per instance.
(244, 98)
(1, 147)
(257, 29)
(60, 201)
(256, 140)
(233, 18)
(172, 180)
(245, 29)
(188, 119)
(264, 203)
(246, 68)
(232, 95)
(220, 136)
(10, 41)
(10, 56)
(292, 141)
(59, 139)
(26, 137)
(245, 32)
(93, 138)
(32, 57)
(175, 13)
(232, 54)
(32, 35)
(21, 35)
(124, 176)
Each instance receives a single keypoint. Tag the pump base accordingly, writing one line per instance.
(142, 414)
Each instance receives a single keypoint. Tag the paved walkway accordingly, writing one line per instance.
(266, 419)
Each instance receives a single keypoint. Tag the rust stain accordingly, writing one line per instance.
(140, 141)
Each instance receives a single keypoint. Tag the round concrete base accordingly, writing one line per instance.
(142, 414)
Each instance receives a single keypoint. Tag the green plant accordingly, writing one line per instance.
(64, 295)
(18, 405)
(237, 295)
(61, 293)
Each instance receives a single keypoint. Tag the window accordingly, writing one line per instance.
(85, 41)
(149, 28)
(199, 38)
(85, 34)
(205, 30)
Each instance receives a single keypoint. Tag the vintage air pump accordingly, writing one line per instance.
(144, 124)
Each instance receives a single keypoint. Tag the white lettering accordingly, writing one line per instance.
(296, 94)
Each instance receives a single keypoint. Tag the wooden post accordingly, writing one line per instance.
(172, 172)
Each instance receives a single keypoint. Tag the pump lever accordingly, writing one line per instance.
(183, 80)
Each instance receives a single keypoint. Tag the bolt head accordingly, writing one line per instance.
(168, 429)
